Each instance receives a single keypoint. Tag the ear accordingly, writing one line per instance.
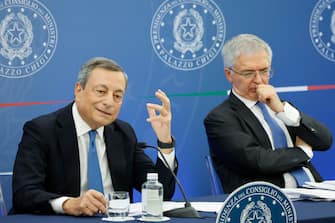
(228, 74)
(77, 89)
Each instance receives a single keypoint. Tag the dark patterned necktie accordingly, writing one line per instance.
(279, 140)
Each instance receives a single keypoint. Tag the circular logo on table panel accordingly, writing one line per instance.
(28, 37)
(322, 28)
(259, 202)
(188, 34)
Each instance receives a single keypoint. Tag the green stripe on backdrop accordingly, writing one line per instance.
(192, 94)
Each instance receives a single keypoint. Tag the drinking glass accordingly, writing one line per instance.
(117, 205)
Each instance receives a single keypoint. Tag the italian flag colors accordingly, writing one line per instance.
(209, 93)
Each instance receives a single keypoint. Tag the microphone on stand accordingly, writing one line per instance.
(187, 211)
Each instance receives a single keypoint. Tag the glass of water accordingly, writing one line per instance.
(117, 205)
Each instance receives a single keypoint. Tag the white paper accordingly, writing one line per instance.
(326, 185)
(309, 194)
(136, 208)
(199, 206)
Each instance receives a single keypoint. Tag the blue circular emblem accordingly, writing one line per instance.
(257, 202)
(188, 34)
(28, 37)
(322, 28)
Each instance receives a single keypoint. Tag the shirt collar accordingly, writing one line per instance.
(247, 102)
(81, 126)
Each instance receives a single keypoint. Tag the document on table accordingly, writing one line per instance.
(326, 185)
(199, 206)
(323, 191)
(136, 208)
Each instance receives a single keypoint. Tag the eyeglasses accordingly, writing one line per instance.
(250, 74)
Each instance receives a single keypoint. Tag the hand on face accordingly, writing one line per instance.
(160, 117)
(267, 94)
(90, 203)
(249, 63)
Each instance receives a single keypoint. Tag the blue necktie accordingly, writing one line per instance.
(279, 140)
(94, 174)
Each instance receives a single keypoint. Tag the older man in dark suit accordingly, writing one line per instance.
(254, 135)
(51, 167)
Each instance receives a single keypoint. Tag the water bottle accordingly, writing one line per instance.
(152, 198)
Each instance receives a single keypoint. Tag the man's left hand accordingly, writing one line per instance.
(160, 118)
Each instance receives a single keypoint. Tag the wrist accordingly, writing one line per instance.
(164, 145)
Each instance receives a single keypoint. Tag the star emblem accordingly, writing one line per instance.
(15, 34)
(255, 218)
(188, 29)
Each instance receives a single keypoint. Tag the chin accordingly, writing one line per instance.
(253, 97)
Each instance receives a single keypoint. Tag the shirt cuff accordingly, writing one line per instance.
(290, 116)
(307, 150)
(57, 204)
(170, 159)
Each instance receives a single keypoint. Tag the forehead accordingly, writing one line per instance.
(253, 60)
(108, 78)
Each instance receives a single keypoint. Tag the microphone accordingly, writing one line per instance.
(187, 211)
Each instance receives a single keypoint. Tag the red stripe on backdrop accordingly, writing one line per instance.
(321, 87)
(17, 104)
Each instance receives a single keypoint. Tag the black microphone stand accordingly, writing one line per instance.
(187, 211)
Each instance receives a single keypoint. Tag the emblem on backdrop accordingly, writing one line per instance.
(322, 28)
(187, 34)
(257, 202)
(28, 37)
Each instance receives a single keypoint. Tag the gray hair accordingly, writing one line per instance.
(101, 62)
(243, 44)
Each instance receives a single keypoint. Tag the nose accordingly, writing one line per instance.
(109, 100)
(258, 76)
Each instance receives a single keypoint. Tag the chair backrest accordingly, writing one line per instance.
(216, 186)
(3, 210)
(6, 192)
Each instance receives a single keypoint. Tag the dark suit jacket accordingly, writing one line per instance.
(47, 162)
(241, 150)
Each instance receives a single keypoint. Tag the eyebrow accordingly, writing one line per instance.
(119, 90)
(257, 69)
(105, 86)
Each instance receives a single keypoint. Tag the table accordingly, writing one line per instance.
(307, 211)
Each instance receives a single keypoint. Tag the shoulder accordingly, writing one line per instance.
(222, 109)
(123, 126)
(47, 121)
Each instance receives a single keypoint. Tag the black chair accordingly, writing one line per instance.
(216, 186)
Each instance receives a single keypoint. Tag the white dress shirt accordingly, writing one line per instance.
(289, 117)
(82, 129)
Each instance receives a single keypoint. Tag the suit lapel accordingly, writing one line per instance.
(251, 120)
(116, 156)
(67, 139)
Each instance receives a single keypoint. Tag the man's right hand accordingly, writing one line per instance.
(304, 146)
(267, 94)
(300, 142)
(90, 203)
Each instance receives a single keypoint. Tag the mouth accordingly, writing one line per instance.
(253, 89)
(104, 112)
